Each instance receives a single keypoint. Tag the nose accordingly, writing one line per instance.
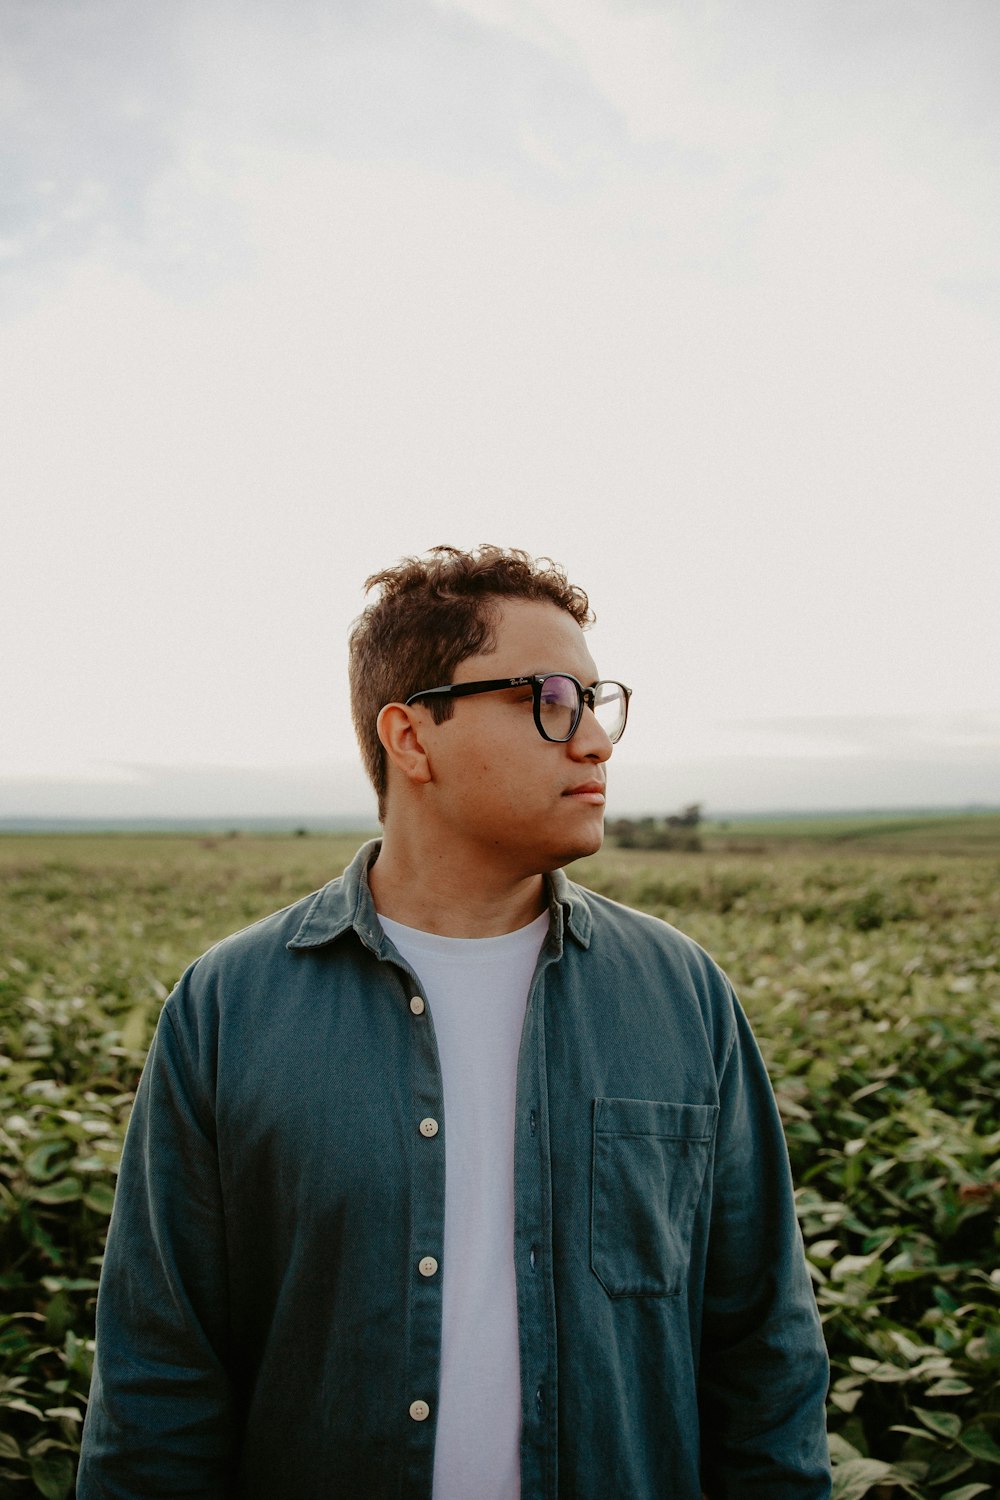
(590, 742)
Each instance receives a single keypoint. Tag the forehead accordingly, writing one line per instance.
(532, 635)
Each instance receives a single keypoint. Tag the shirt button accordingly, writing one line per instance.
(417, 1006)
(419, 1411)
(428, 1266)
(428, 1127)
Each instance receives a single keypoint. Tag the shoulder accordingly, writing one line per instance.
(268, 935)
(314, 921)
(256, 958)
(649, 938)
(652, 979)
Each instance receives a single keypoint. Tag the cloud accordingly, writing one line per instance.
(124, 125)
(770, 131)
(91, 89)
(736, 81)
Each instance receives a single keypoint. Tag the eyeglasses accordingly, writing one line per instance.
(558, 701)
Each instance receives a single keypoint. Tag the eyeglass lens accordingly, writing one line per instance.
(610, 708)
(559, 707)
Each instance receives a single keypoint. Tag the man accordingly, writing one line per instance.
(455, 1180)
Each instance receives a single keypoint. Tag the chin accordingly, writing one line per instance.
(581, 847)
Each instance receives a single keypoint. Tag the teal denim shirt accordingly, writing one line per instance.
(263, 1329)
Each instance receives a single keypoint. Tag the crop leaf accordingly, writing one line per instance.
(53, 1475)
(977, 1441)
(63, 1191)
(857, 1476)
(945, 1423)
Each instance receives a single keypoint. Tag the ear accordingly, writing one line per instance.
(399, 731)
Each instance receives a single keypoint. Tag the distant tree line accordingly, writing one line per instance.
(676, 831)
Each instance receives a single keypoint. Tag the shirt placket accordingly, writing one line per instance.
(422, 1298)
(533, 1250)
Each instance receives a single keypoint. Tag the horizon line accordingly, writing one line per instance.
(344, 823)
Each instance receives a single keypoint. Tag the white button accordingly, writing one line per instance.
(428, 1266)
(428, 1127)
(417, 1006)
(419, 1411)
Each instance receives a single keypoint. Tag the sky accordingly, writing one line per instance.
(701, 300)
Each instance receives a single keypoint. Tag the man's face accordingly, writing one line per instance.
(520, 802)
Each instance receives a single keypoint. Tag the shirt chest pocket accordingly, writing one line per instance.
(649, 1165)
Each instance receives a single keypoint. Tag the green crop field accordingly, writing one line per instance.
(866, 952)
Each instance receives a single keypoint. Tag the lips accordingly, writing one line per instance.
(587, 791)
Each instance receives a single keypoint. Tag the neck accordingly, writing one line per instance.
(440, 892)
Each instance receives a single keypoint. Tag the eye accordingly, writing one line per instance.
(552, 698)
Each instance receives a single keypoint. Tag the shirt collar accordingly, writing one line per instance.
(347, 903)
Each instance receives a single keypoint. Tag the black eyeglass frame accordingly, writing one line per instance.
(586, 697)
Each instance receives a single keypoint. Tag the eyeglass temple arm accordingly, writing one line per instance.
(466, 689)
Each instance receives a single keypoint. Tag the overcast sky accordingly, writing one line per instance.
(701, 300)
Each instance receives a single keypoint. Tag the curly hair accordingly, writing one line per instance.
(431, 613)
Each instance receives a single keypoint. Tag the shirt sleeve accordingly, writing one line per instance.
(764, 1369)
(160, 1420)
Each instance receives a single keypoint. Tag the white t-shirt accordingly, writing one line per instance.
(476, 990)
